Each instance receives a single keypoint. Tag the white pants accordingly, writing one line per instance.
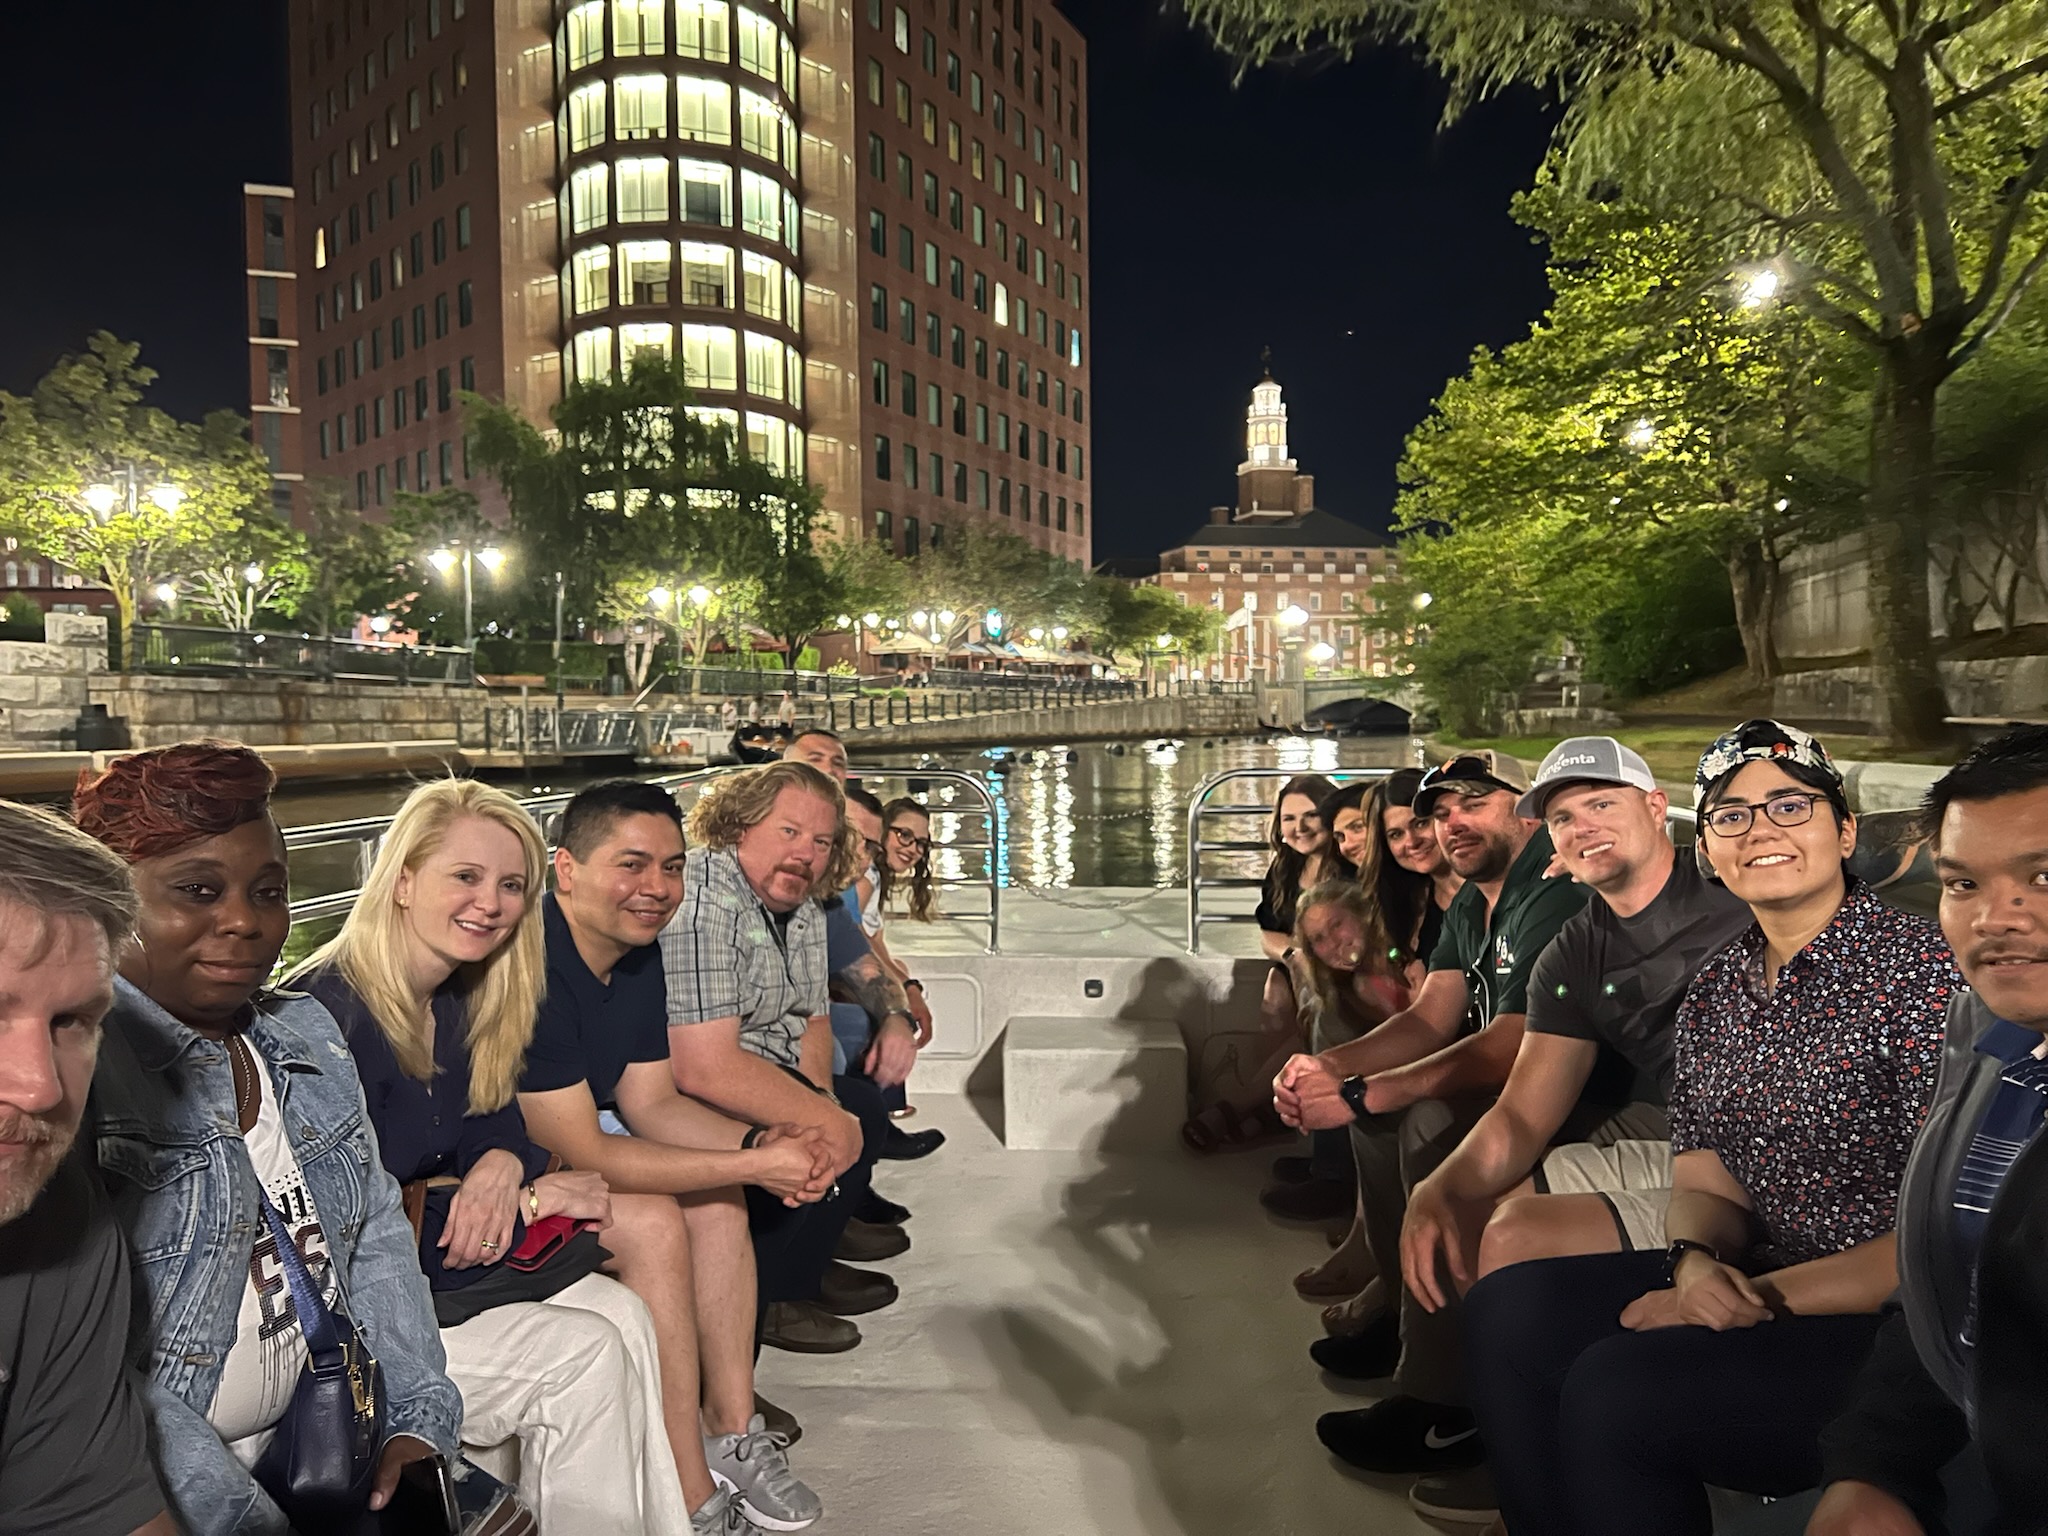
(577, 1381)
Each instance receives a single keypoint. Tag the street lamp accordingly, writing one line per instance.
(166, 593)
(1059, 631)
(1289, 621)
(122, 489)
(1642, 435)
(1760, 286)
(380, 624)
(467, 555)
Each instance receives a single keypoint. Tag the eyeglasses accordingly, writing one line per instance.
(1733, 818)
(910, 840)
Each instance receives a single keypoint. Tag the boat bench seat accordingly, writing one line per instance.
(1077, 1084)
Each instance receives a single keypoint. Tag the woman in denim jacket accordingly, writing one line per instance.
(210, 1090)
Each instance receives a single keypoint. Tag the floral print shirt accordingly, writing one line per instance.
(1811, 1092)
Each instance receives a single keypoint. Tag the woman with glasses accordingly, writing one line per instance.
(1613, 1389)
(905, 868)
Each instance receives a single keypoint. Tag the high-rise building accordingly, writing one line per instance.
(860, 228)
(1282, 571)
(268, 260)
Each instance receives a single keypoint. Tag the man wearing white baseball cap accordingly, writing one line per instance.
(1594, 1068)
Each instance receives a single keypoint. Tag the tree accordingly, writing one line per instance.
(1886, 162)
(258, 566)
(974, 572)
(350, 561)
(1129, 616)
(765, 546)
(1646, 423)
(119, 491)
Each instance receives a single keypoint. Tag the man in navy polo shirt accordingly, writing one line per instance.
(599, 1063)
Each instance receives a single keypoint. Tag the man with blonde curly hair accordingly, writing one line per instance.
(750, 1033)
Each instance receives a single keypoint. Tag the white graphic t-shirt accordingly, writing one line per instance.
(261, 1370)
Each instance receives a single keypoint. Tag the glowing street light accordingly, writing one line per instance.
(1293, 616)
(1036, 633)
(1642, 435)
(1423, 600)
(946, 617)
(1164, 642)
(1059, 631)
(1760, 286)
(445, 560)
(101, 498)
(659, 597)
(380, 624)
(252, 573)
(699, 596)
(1783, 504)
(491, 556)
(1321, 652)
(917, 619)
(166, 593)
(871, 620)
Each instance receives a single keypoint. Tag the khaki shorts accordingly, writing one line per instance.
(1633, 1177)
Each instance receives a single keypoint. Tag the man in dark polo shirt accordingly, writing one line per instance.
(1594, 1068)
(74, 1442)
(1414, 1086)
(598, 1064)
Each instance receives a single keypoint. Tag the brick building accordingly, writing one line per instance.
(858, 226)
(1276, 552)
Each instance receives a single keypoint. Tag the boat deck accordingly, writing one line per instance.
(1085, 1343)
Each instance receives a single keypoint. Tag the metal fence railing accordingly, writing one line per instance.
(195, 650)
(333, 858)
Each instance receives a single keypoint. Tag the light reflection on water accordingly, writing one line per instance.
(1093, 814)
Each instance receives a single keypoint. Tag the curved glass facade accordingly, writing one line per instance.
(679, 212)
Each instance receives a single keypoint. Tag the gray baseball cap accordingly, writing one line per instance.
(1585, 760)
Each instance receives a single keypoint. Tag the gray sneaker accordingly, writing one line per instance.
(754, 1467)
(1457, 1498)
(721, 1515)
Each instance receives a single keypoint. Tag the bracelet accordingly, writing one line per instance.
(532, 1203)
(912, 981)
(753, 1137)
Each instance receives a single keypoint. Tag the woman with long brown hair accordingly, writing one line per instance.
(1301, 859)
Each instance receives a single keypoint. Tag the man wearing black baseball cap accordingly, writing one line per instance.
(1415, 1085)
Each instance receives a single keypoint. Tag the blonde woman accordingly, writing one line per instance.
(435, 978)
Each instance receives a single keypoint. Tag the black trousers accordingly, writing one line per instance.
(793, 1246)
(1594, 1430)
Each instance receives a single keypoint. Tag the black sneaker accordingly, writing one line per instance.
(881, 1212)
(1403, 1436)
(1367, 1355)
(1316, 1200)
(905, 1146)
(1294, 1168)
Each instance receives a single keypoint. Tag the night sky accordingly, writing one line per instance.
(1316, 211)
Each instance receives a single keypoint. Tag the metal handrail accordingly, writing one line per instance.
(366, 834)
(1198, 807)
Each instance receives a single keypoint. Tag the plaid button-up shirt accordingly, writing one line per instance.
(723, 957)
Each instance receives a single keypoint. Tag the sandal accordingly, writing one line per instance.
(1334, 1279)
(1355, 1314)
(1223, 1127)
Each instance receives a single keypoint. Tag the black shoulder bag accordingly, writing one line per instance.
(322, 1457)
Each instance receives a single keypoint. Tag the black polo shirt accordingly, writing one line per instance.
(1497, 951)
(589, 1031)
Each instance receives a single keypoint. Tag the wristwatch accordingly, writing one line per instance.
(1679, 1248)
(1352, 1092)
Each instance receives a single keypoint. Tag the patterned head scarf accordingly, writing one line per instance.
(1757, 741)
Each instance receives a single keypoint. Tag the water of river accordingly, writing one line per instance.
(1093, 814)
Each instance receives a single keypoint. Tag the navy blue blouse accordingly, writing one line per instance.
(424, 1130)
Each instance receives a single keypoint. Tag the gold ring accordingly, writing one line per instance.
(490, 1245)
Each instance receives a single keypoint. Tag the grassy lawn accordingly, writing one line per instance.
(1672, 751)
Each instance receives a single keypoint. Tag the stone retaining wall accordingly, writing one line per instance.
(2014, 686)
(44, 684)
(273, 712)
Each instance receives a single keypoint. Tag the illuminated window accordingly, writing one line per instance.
(764, 366)
(758, 37)
(590, 279)
(762, 124)
(586, 116)
(591, 351)
(585, 27)
(764, 289)
(704, 111)
(644, 268)
(760, 205)
(646, 343)
(711, 356)
(1002, 313)
(707, 274)
(643, 191)
(637, 27)
(931, 123)
(707, 192)
(768, 441)
(704, 30)
(640, 106)
(589, 198)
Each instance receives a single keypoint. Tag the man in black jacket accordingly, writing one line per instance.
(1966, 1357)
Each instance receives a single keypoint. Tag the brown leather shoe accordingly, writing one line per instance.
(780, 1421)
(804, 1328)
(869, 1242)
(848, 1292)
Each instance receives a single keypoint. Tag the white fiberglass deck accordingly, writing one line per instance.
(1084, 1344)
